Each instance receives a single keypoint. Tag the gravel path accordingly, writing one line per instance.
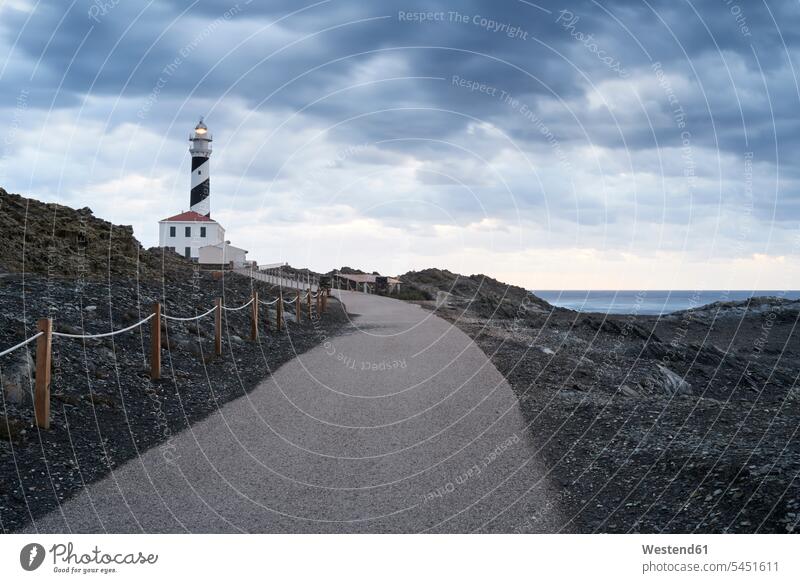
(400, 424)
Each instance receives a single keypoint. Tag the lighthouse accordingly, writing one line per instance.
(193, 233)
(200, 149)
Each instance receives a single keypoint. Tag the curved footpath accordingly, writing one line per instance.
(401, 424)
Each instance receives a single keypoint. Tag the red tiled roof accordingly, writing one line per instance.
(191, 216)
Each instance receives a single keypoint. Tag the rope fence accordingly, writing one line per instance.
(104, 334)
(227, 309)
(175, 318)
(21, 344)
(45, 334)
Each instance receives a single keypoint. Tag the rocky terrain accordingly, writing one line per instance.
(480, 295)
(681, 423)
(58, 241)
(105, 410)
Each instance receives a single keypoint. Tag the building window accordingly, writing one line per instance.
(187, 252)
(187, 231)
(202, 231)
(172, 231)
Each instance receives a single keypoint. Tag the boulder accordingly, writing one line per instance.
(628, 391)
(17, 377)
(669, 383)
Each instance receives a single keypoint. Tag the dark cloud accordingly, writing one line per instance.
(558, 81)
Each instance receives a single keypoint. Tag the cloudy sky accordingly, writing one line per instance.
(557, 145)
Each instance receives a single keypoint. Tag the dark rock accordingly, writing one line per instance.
(11, 429)
(66, 399)
(102, 401)
(67, 328)
(17, 376)
(655, 350)
(706, 353)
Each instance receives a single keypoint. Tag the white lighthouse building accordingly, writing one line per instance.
(193, 233)
(187, 232)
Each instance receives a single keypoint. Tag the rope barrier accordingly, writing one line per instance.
(44, 350)
(105, 334)
(239, 308)
(188, 319)
(21, 344)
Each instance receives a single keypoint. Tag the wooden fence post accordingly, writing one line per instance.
(218, 328)
(41, 396)
(254, 318)
(308, 302)
(155, 343)
(279, 312)
(324, 303)
(298, 306)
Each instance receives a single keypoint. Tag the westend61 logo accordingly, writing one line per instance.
(66, 560)
(31, 556)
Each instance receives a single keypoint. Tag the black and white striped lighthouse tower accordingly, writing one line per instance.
(201, 177)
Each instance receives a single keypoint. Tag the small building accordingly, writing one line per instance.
(366, 282)
(222, 255)
(187, 232)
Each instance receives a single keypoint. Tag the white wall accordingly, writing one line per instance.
(222, 254)
(214, 234)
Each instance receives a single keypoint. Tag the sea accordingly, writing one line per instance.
(649, 302)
